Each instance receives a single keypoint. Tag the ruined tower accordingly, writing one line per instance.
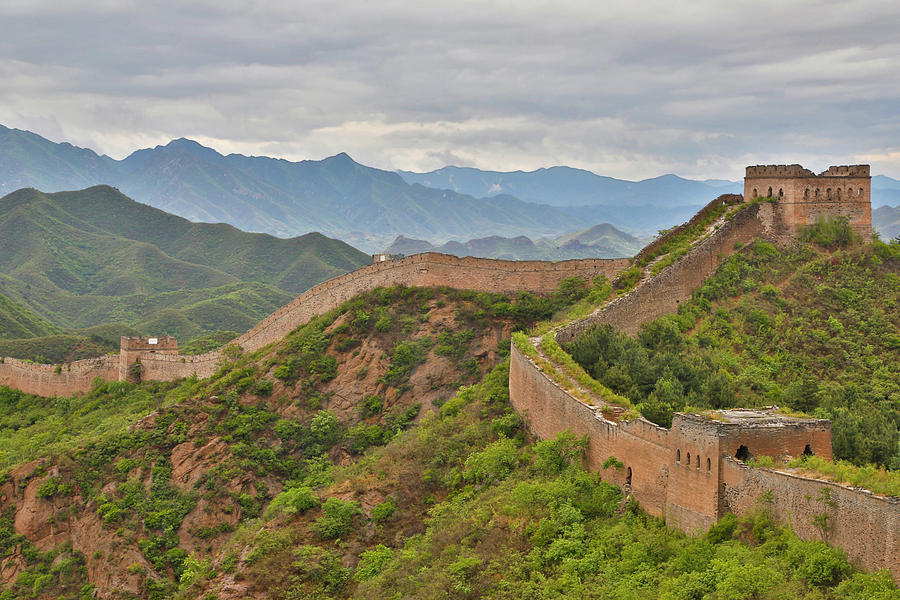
(805, 197)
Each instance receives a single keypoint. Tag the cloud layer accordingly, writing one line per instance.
(621, 88)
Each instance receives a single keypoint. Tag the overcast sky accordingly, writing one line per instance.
(627, 89)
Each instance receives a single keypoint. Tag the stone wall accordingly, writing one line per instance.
(44, 380)
(428, 269)
(665, 292)
(723, 200)
(865, 526)
(688, 474)
(641, 446)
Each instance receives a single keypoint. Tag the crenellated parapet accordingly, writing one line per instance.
(839, 191)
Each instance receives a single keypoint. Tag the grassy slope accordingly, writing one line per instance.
(464, 505)
(805, 328)
(84, 258)
(17, 321)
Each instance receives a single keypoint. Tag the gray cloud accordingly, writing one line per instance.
(622, 88)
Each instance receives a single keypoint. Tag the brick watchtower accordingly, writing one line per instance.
(805, 197)
(131, 348)
(701, 449)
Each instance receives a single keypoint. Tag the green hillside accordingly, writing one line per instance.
(17, 321)
(80, 259)
(280, 477)
(812, 328)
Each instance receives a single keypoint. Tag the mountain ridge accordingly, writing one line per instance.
(600, 241)
(80, 259)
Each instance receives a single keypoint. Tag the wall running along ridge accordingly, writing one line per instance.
(427, 270)
(687, 474)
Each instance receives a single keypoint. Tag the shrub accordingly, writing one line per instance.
(337, 516)
(264, 387)
(829, 233)
(53, 486)
(372, 562)
(495, 462)
(383, 511)
(553, 456)
(292, 501)
(371, 405)
(573, 289)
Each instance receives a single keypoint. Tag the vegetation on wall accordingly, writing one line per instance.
(813, 328)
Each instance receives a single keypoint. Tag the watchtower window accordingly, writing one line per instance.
(806, 193)
(839, 193)
(807, 451)
(708, 465)
(828, 193)
(689, 459)
(781, 193)
(678, 455)
(860, 192)
(817, 192)
(743, 453)
(698, 462)
(628, 477)
(769, 195)
(755, 192)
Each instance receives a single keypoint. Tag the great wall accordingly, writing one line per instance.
(691, 474)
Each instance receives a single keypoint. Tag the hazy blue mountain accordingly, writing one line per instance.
(336, 196)
(28, 160)
(886, 221)
(599, 241)
(565, 186)
(885, 191)
(885, 182)
(364, 206)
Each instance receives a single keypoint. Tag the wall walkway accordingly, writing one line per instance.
(428, 269)
(663, 469)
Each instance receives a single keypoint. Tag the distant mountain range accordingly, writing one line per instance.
(568, 187)
(886, 221)
(600, 241)
(335, 196)
(74, 260)
(361, 205)
(565, 186)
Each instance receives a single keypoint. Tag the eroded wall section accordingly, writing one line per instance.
(865, 526)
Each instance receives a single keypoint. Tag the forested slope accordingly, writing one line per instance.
(342, 463)
(81, 259)
(813, 328)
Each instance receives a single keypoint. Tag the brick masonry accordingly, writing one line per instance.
(686, 474)
(162, 362)
(689, 474)
(805, 197)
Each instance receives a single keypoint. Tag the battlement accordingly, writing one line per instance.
(846, 171)
(756, 171)
(164, 344)
(839, 191)
(778, 171)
